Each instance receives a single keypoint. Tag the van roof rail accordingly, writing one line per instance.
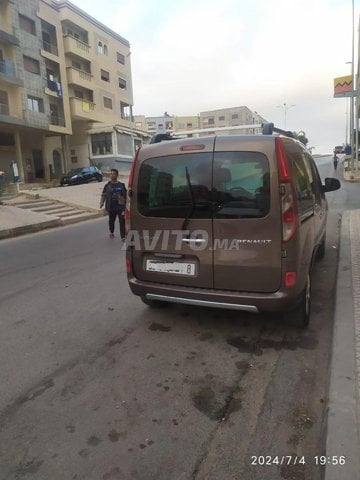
(269, 129)
(159, 137)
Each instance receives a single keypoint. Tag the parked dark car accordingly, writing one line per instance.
(81, 175)
(339, 149)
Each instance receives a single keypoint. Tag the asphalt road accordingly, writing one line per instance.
(94, 385)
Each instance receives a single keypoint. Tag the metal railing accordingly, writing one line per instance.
(57, 120)
(4, 109)
(50, 47)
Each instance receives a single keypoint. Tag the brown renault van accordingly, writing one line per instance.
(226, 221)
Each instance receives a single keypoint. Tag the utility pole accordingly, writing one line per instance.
(286, 107)
(352, 96)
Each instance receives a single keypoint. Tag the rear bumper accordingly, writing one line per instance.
(250, 302)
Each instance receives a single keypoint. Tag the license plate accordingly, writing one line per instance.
(177, 268)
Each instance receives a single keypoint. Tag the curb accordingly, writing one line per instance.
(342, 436)
(32, 228)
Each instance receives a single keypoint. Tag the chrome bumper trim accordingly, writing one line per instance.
(202, 303)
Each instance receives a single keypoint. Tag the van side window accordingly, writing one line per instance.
(303, 177)
(317, 186)
(171, 186)
(241, 184)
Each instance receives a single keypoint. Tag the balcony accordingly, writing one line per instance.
(4, 109)
(82, 108)
(76, 46)
(57, 120)
(50, 48)
(7, 73)
(54, 88)
(78, 77)
(7, 37)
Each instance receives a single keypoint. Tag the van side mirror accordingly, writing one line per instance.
(331, 184)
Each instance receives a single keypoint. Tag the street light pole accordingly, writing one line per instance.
(352, 95)
(286, 108)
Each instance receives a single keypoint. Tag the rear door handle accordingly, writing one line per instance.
(194, 240)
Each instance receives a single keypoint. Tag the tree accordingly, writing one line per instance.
(301, 136)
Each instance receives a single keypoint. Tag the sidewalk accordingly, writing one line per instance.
(343, 410)
(16, 221)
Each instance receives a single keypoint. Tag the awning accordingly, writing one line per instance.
(105, 129)
(134, 133)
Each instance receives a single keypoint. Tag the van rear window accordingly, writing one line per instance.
(241, 184)
(170, 186)
(220, 185)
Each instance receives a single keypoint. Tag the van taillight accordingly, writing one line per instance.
(283, 166)
(288, 208)
(290, 279)
(128, 199)
(131, 175)
(127, 217)
(128, 265)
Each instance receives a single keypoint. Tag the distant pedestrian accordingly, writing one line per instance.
(114, 197)
(335, 161)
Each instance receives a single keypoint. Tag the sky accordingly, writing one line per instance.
(189, 56)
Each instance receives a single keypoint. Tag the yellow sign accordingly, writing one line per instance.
(343, 87)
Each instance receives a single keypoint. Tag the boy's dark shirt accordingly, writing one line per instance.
(111, 193)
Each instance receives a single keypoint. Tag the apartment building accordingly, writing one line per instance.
(33, 106)
(231, 117)
(210, 121)
(186, 123)
(162, 124)
(65, 91)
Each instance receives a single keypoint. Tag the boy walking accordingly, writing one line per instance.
(114, 197)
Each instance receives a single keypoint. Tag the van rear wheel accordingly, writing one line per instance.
(153, 303)
(301, 314)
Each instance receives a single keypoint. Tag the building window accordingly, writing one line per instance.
(101, 144)
(107, 102)
(27, 24)
(31, 65)
(122, 83)
(7, 139)
(125, 111)
(181, 125)
(211, 121)
(76, 64)
(102, 48)
(105, 75)
(120, 58)
(189, 125)
(79, 93)
(222, 118)
(4, 103)
(35, 104)
(234, 116)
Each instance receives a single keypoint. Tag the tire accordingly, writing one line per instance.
(153, 303)
(301, 314)
(321, 249)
